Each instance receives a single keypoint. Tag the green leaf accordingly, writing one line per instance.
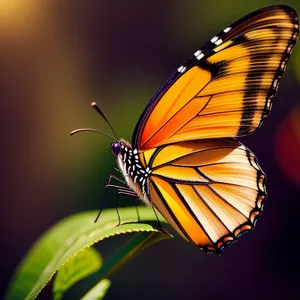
(98, 291)
(85, 263)
(133, 247)
(72, 235)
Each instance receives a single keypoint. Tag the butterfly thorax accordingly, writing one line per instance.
(135, 174)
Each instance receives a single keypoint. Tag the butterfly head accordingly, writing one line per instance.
(115, 148)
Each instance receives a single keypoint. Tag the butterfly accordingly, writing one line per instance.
(184, 159)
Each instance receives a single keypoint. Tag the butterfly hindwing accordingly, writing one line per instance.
(210, 191)
(226, 88)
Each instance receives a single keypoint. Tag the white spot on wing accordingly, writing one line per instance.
(197, 53)
(200, 56)
(181, 69)
(214, 39)
(219, 42)
(227, 29)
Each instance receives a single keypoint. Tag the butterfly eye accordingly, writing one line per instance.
(115, 148)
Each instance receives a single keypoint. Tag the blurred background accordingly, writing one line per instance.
(55, 58)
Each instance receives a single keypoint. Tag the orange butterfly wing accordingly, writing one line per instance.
(226, 88)
(211, 191)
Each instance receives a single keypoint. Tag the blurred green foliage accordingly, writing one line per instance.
(99, 291)
(64, 248)
(83, 264)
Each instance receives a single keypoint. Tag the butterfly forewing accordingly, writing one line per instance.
(211, 191)
(226, 88)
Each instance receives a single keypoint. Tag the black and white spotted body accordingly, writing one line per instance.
(135, 174)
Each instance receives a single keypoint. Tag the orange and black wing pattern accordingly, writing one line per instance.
(211, 191)
(226, 88)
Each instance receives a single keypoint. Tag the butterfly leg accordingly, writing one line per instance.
(111, 176)
(127, 192)
(109, 185)
(138, 214)
(156, 216)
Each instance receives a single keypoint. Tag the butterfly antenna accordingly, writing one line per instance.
(98, 110)
(92, 130)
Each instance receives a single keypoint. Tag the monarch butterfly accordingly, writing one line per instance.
(184, 159)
